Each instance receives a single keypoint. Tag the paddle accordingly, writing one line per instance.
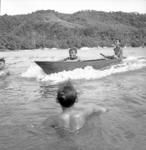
(107, 57)
(102, 55)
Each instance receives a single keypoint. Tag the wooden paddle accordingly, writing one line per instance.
(102, 55)
(107, 57)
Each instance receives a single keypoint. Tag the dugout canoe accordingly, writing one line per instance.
(58, 66)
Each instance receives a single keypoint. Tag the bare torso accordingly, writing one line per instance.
(74, 118)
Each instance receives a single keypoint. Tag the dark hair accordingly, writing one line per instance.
(73, 49)
(2, 60)
(66, 95)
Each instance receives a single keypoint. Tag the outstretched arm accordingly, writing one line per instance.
(89, 109)
(97, 109)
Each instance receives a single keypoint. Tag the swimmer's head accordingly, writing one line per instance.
(2, 60)
(66, 95)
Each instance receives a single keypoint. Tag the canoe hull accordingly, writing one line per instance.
(54, 67)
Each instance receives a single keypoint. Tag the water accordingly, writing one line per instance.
(27, 99)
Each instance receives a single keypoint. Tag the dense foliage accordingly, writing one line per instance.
(85, 28)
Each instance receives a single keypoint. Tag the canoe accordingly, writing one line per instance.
(58, 66)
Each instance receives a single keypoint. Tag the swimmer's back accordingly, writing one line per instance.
(77, 117)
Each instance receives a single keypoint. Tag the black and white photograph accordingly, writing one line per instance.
(72, 74)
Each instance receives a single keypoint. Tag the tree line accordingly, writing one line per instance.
(50, 29)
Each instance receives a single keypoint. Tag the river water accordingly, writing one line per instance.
(27, 99)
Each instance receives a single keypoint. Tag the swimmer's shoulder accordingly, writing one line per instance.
(89, 109)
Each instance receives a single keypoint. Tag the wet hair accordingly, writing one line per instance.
(66, 95)
(2, 60)
(73, 49)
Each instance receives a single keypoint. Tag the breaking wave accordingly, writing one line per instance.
(88, 73)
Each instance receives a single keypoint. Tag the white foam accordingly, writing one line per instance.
(33, 71)
(88, 73)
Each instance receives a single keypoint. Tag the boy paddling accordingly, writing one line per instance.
(118, 52)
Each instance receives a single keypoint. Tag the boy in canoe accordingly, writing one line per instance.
(118, 52)
(73, 116)
(72, 55)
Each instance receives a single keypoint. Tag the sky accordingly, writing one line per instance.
(13, 7)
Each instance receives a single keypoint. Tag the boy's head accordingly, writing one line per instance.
(117, 42)
(73, 52)
(66, 95)
(2, 60)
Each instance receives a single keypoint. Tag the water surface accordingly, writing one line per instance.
(27, 99)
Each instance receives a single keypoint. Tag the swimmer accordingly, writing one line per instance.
(73, 116)
(3, 70)
(2, 63)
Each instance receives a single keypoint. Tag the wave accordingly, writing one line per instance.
(34, 71)
(88, 73)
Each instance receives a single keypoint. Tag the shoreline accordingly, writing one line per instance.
(60, 49)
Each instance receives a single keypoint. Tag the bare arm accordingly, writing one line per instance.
(96, 109)
(90, 109)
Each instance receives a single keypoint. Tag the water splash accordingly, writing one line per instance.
(34, 71)
(88, 73)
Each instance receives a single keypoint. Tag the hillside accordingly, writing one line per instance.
(85, 28)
